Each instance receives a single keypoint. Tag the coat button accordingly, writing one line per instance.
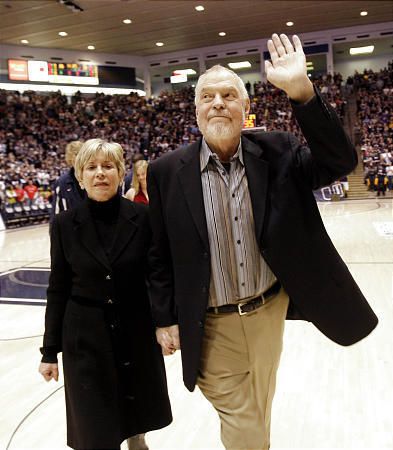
(110, 301)
(200, 324)
(130, 397)
(126, 364)
(205, 255)
(112, 326)
(108, 277)
(204, 289)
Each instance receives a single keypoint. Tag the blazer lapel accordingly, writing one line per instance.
(125, 229)
(190, 179)
(257, 177)
(84, 227)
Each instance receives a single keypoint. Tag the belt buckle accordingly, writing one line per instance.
(239, 309)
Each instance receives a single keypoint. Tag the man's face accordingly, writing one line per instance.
(220, 109)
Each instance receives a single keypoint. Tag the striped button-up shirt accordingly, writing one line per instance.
(238, 271)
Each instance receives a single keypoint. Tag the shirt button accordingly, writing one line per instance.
(108, 277)
(236, 218)
(238, 241)
(241, 264)
(233, 195)
(243, 284)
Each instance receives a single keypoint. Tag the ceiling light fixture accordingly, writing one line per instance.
(127, 21)
(364, 13)
(199, 8)
(184, 72)
(361, 50)
(24, 41)
(159, 44)
(222, 33)
(290, 24)
(63, 33)
(239, 65)
(91, 47)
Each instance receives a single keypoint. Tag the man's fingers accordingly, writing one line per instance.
(280, 49)
(272, 51)
(55, 374)
(297, 43)
(287, 43)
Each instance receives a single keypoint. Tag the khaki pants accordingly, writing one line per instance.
(240, 357)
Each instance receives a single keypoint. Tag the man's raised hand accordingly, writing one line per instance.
(287, 69)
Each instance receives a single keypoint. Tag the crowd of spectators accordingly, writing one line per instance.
(35, 129)
(374, 98)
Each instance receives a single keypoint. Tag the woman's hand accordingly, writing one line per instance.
(49, 371)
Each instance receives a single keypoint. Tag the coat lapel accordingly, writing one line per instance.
(84, 228)
(125, 229)
(257, 177)
(190, 179)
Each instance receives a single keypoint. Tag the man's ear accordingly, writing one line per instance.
(247, 106)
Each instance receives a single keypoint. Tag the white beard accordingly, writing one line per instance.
(219, 130)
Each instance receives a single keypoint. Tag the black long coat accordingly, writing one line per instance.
(290, 233)
(98, 315)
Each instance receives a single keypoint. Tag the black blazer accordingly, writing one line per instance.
(98, 314)
(281, 176)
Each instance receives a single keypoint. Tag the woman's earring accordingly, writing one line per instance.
(81, 185)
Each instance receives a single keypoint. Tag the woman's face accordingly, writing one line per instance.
(141, 176)
(100, 178)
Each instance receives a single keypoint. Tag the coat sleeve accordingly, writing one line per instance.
(330, 154)
(57, 295)
(160, 260)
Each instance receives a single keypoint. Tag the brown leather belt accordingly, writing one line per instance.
(247, 306)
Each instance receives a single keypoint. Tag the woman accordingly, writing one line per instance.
(138, 191)
(98, 312)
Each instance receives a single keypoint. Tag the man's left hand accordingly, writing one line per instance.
(287, 69)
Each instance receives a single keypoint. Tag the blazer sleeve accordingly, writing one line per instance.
(160, 260)
(330, 154)
(58, 293)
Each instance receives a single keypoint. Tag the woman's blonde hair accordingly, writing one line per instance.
(135, 182)
(111, 150)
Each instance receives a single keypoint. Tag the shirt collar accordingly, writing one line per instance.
(206, 154)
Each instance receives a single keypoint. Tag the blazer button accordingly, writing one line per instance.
(204, 289)
(108, 277)
(110, 301)
(126, 364)
(205, 255)
(130, 397)
(200, 324)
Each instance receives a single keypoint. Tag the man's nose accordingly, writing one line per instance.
(218, 101)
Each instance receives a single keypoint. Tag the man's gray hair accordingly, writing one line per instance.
(218, 68)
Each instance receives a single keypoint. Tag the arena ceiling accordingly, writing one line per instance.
(175, 23)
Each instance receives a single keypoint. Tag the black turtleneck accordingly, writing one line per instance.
(105, 217)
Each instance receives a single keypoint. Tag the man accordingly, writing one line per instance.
(67, 192)
(236, 231)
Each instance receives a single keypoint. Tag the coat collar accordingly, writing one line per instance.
(257, 171)
(125, 230)
(257, 176)
(190, 179)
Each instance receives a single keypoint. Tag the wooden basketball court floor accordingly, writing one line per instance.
(328, 397)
